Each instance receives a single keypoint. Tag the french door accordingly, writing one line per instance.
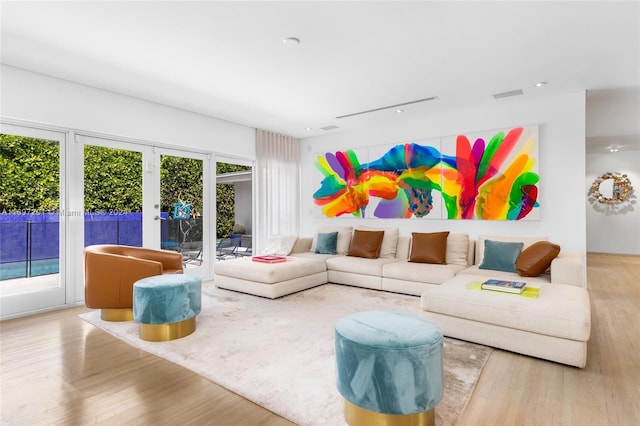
(181, 207)
(34, 217)
(141, 195)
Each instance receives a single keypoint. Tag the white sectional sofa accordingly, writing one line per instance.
(464, 255)
(556, 326)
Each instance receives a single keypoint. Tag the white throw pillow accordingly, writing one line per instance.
(280, 245)
(457, 249)
(389, 241)
(344, 237)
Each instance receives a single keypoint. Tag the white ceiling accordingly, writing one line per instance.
(227, 59)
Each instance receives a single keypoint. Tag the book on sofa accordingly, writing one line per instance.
(504, 285)
(269, 259)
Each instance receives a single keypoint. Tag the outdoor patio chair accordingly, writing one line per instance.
(226, 248)
(245, 249)
(191, 252)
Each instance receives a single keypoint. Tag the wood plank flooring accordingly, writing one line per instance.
(58, 369)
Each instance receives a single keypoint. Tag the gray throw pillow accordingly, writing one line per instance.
(326, 243)
(501, 255)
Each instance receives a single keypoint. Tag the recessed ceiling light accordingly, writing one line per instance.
(291, 41)
(541, 84)
(614, 149)
(308, 128)
(399, 111)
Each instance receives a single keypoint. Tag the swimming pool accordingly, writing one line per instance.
(13, 270)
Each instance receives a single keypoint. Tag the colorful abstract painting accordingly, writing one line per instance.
(486, 175)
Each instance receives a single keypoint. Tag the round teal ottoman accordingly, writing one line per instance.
(166, 306)
(389, 368)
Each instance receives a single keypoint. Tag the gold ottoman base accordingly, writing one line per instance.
(165, 332)
(358, 416)
(116, 314)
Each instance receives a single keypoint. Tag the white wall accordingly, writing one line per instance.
(47, 100)
(614, 229)
(561, 123)
(613, 113)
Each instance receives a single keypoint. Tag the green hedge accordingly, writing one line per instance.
(30, 180)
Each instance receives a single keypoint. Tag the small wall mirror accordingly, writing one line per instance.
(610, 188)
(606, 188)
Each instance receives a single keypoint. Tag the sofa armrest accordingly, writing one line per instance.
(569, 268)
(169, 259)
(302, 245)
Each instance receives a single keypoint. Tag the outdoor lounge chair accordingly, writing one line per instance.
(226, 248)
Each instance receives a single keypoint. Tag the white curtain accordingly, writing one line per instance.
(278, 186)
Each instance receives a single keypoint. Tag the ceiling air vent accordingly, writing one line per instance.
(325, 128)
(507, 94)
(432, 98)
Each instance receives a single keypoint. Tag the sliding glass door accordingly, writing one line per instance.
(33, 220)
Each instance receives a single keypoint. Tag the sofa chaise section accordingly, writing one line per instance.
(555, 326)
(270, 280)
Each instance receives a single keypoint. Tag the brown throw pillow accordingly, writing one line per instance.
(536, 258)
(366, 244)
(429, 247)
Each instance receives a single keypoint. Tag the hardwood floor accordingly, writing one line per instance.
(58, 369)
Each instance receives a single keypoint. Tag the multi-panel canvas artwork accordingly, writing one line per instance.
(490, 175)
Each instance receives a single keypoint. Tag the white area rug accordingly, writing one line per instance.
(280, 353)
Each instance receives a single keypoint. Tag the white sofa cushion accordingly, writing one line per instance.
(404, 246)
(457, 249)
(389, 241)
(359, 265)
(420, 272)
(313, 255)
(344, 237)
(490, 273)
(270, 273)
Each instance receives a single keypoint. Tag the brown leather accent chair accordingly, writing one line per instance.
(111, 270)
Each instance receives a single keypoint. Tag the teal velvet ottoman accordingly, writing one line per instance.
(166, 306)
(389, 368)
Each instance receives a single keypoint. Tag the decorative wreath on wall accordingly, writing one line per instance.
(619, 192)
